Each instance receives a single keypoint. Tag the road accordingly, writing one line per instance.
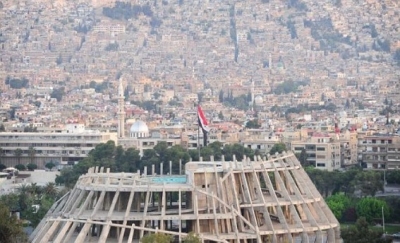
(389, 191)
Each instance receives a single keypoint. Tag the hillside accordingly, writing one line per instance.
(267, 41)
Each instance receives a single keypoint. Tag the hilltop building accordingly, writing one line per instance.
(265, 200)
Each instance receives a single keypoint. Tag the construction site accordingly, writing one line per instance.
(268, 199)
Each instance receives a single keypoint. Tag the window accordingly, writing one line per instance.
(320, 149)
(320, 164)
(321, 157)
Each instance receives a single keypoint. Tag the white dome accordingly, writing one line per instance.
(139, 129)
(259, 100)
(139, 126)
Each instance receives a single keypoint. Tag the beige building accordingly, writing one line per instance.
(379, 151)
(348, 148)
(67, 147)
(322, 151)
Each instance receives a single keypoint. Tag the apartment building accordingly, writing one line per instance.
(260, 140)
(348, 148)
(379, 151)
(322, 150)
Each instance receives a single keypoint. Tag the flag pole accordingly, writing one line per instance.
(198, 132)
(198, 140)
(205, 138)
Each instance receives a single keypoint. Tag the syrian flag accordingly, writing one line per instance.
(202, 120)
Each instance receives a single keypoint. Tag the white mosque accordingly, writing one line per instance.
(139, 135)
(139, 129)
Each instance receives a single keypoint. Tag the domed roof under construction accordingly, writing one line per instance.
(266, 200)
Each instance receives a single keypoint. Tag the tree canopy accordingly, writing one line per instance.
(31, 166)
(369, 182)
(192, 238)
(338, 203)
(58, 93)
(123, 10)
(253, 124)
(288, 87)
(361, 233)
(371, 208)
(278, 148)
(11, 230)
(119, 160)
(156, 238)
(16, 83)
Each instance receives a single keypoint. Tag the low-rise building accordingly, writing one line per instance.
(322, 151)
(67, 147)
(379, 151)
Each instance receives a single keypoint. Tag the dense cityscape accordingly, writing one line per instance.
(313, 87)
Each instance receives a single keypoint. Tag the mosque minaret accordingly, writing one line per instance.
(121, 110)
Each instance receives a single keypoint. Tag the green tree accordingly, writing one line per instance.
(67, 177)
(127, 161)
(18, 153)
(302, 157)
(103, 151)
(50, 189)
(59, 59)
(30, 128)
(192, 238)
(206, 153)
(11, 230)
(371, 208)
(221, 96)
(35, 215)
(175, 154)
(32, 154)
(2, 128)
(16, 83)
(150, 157)
(58, 93)
(253, 124)
(368, 182)
(361, 233)
(221, 116)
(278, 147)
(50, 165)
(31, 166)
(338, 203)
(396, 56)
(156, 238)
(217, 149)
(392, 176)
(20, 167)
(1, 156)
(161, 150)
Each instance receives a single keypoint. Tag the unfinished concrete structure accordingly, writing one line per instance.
(265, 200)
